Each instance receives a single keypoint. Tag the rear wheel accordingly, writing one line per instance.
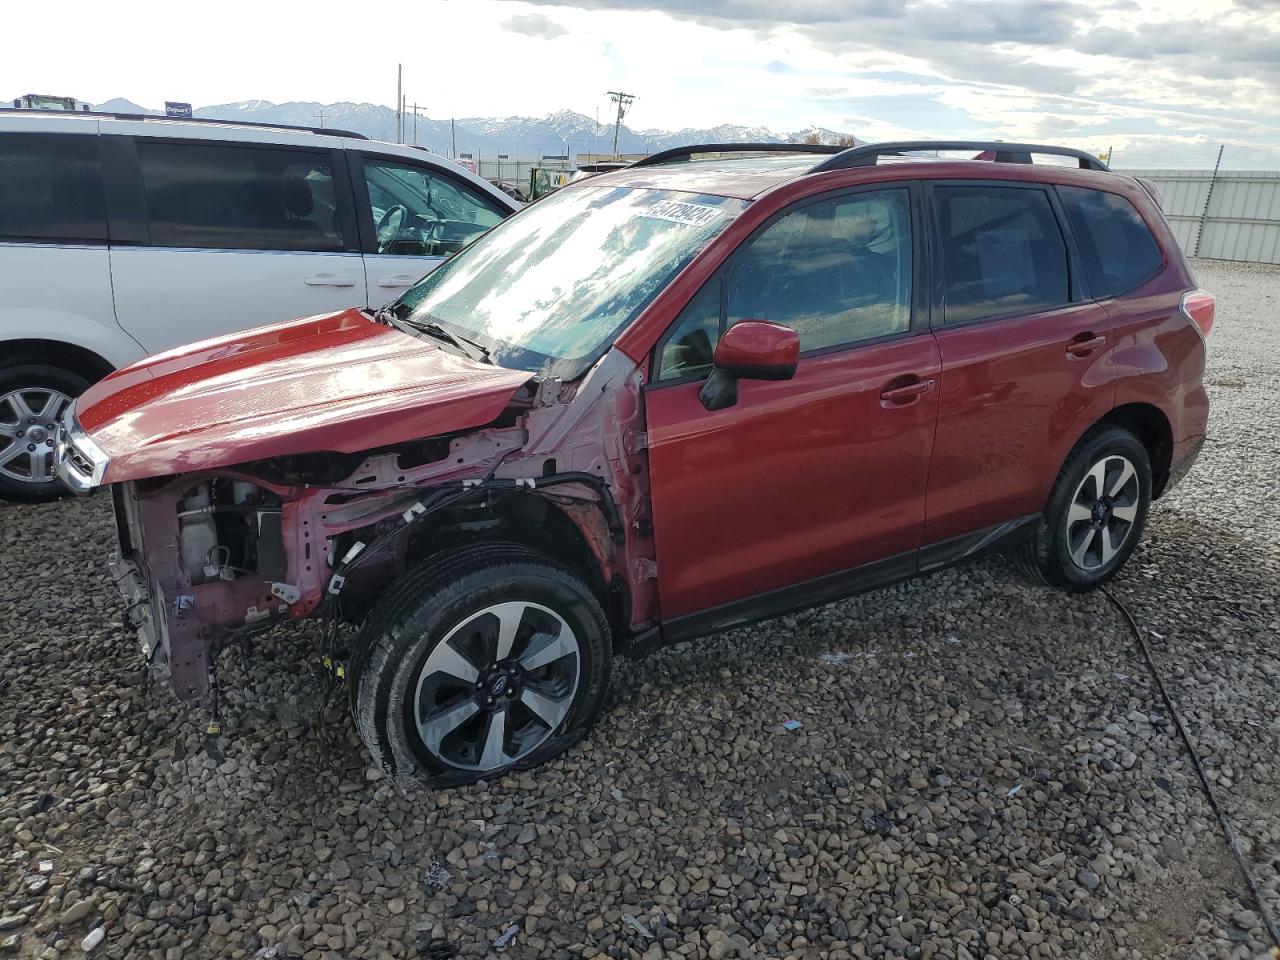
(1096, 512)
(32, 399)
(485, 660)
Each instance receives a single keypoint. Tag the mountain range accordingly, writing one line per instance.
(527, 137)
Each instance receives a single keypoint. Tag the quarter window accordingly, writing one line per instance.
(420, 213)
(1002, 252)
(239, 198)
(838, 272)
(1115, 243)
(51, 188)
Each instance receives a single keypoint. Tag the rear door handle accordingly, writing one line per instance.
(1085, 344)
(329, 280)
(400, 280)
(906, 393)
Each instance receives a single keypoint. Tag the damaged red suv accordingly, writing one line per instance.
(718, 385)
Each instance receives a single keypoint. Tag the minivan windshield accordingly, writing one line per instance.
(549, 289)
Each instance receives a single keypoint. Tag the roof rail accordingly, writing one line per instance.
(866, 156)
(684, 153)
(327, 131)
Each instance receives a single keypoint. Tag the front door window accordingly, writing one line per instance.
(419, 213)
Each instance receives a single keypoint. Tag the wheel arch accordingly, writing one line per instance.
(571, 531)
(1151, 426)
(59, 353)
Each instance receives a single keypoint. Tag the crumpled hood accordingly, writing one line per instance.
(336, 382)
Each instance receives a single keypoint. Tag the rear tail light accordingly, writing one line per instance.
(1197, 306)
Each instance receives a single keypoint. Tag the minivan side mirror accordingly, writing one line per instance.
(749, 350)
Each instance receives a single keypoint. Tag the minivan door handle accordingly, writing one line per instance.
(329, 280)
(400, 280)
(1084, 344)
(904, 393)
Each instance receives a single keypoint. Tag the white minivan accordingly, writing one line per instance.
(122, 236)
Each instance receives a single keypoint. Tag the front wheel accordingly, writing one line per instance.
(488, 659)
(33, 397)
(1096, 512)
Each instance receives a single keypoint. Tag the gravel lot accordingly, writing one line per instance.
(983, 767)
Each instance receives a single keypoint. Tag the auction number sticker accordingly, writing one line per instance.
(682, 211)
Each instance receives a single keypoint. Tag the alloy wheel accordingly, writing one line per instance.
(497, 686)
(28, 427)
(1103, 512)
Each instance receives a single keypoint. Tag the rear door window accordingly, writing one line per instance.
(51, 188)
(1115, 243)
(228, 197)
(1002, 250)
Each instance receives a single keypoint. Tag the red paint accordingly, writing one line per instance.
(799, 478)
(757, 345)
(1014, 400)
(337, 382)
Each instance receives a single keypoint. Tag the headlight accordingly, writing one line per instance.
(79, 461)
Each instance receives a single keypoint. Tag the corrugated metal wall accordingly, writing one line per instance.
(1243, 221)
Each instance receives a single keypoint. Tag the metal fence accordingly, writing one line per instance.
(1233, 215)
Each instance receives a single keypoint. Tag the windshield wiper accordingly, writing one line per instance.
(469, 348)
(388, 314)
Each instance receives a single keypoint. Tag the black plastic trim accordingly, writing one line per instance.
(684, 153)
(126, 205)
(867, 154)
(774, 603)
(847, 583)
(256, 124)
(969, 546)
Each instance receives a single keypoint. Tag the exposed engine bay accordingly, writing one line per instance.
(210, 558)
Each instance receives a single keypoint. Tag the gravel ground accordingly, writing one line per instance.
(983, 767)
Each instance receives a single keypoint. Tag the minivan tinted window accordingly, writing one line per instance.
(1115, 243)
(239, 198)
(1002, 252)
(51, 188)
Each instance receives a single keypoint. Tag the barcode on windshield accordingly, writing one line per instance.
(681, 211)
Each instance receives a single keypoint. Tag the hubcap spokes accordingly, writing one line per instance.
(497, 686)
(28, 426)
(1102, 512)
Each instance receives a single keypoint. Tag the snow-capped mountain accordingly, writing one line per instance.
(564, 131)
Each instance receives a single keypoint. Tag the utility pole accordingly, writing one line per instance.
(1204, 214)
(321, 116)
(415, 123)
(623, 100)
(453, 140)
(399, 103)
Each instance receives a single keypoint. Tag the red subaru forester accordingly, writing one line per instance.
(723, 383)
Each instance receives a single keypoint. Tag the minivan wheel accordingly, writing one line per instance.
(1096, 512)
(32, 400)
(484, 660)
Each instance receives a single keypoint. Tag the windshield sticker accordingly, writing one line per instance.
(680, 211)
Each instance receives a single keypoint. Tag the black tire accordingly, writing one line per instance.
(1062, 551)
(392, 694)
(31, 380)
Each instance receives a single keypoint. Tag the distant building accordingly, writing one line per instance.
(44, 101)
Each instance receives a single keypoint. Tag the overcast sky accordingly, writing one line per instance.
(1162, 81)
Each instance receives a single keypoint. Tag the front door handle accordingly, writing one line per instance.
(905, 393)
(400, 280)
(1085, 344)
(329, 280)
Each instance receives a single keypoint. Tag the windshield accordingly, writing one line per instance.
(549, 289)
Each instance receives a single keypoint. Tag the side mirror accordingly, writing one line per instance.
(750, 350)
